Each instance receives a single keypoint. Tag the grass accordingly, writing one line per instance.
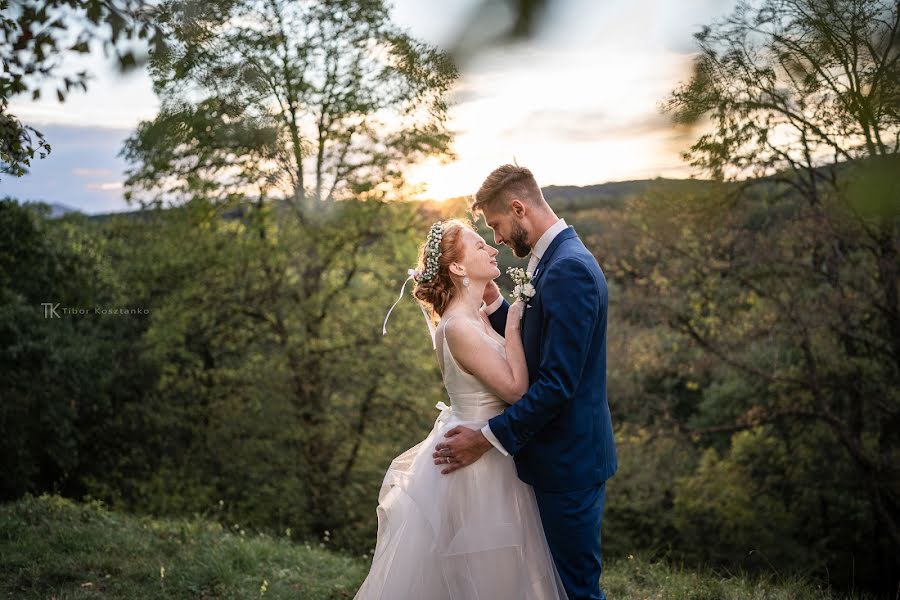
(55, 549)
(51, 547)
(638, 579)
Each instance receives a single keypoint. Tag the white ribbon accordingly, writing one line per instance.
(412, 274)
(445, 411)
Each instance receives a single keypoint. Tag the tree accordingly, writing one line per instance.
(34, 35)
(791, 279)
(54, 364)
(297, 121)
(309, 101)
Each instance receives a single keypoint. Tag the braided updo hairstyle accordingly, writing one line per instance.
(440, 288)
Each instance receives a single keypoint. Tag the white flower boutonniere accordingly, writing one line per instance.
(524, 289)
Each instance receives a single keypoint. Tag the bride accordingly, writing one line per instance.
(475, 533)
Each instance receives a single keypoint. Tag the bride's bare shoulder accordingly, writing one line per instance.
(460, 330)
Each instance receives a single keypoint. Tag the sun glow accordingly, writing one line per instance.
(587, 120)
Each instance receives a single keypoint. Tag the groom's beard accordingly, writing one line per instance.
(518, 241)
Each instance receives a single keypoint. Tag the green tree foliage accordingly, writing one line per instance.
(55, 367)
(283, 131)
(783, 287)
(34, 35)
(760, 335)
(312, 101)
(730, 507)
(260, 386)
(234, 396)
(299, 374)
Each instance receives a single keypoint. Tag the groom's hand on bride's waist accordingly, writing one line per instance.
(461, 447)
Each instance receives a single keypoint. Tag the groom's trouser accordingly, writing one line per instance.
(572, 525)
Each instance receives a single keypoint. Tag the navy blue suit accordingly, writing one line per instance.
(560, 431)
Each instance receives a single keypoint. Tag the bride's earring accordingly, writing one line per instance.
(466, 282)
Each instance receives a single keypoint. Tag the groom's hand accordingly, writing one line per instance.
(463, 446)
(491, 293)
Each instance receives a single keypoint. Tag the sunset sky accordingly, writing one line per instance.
(578, 104)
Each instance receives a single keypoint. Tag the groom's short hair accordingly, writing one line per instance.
(503, 185)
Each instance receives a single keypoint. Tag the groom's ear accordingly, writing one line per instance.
(517, 207)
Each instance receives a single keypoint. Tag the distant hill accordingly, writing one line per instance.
(613, 193)
(55, 210)
(560, 197)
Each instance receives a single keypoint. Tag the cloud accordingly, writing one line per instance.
(105, 187)
(588, 126)
(84, 172)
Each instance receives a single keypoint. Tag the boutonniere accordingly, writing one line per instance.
(524, 289)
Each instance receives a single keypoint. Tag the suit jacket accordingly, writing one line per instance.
(560, 431)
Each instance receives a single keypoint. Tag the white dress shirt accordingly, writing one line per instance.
(536, 254)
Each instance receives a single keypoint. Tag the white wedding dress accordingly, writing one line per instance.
(474, 534)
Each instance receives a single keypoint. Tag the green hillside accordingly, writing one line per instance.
(51, 547)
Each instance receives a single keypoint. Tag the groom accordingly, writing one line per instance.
(559, 432)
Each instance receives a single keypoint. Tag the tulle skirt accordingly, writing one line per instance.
(474, 534)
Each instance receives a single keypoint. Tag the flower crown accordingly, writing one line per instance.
(432, 253)
(429, 271)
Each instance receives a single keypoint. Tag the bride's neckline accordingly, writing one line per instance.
(486, 331)
(501, 346)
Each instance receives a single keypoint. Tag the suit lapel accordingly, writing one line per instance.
(531, 329)
(565, 234)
